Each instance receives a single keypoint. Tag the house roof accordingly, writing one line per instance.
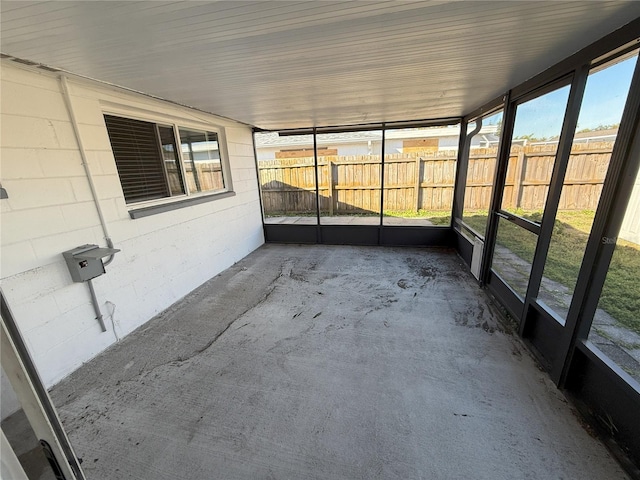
(277, 65)
(272, 139)
(594, 134)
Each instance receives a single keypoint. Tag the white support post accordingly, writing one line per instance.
(10, 467)
(30, 402)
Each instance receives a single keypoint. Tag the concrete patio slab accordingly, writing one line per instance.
(326, 362)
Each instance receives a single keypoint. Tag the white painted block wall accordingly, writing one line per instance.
(50, 209)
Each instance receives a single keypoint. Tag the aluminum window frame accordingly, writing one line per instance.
(224, 173)
(172, 202)
(562, 82)
(464, 149)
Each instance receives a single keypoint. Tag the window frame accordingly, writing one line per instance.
(183, 168)
(171, 202)
(562, 82)
(464, 156)
(180, 167)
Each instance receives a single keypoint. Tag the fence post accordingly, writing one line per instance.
(517, 180)
(330, 180)
(418, 182)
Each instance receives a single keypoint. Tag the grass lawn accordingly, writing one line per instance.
(621, 294)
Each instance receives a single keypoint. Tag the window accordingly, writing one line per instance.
(616, 324)
(533, 152)
(534, 145)
(151, 166)
(419, 175)
(349, 182)
(201, 156)
(600, 114)
(481, 169)
(287, 178)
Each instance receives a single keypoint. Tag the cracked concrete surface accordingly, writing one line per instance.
(321, 362)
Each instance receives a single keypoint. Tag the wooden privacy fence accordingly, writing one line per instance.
(425, 180)
(208, 177)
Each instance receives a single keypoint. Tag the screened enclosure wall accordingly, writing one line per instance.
(287, 178)
(556, 232)
(543, 187)
(412, 184)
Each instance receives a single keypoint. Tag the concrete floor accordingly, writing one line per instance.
(320, 362)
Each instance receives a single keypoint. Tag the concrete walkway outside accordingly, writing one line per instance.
(349, 220)
(618, 342)
(319, 362)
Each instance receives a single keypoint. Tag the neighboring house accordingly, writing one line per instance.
(608, 135)
(270, 146)
(587, 136)
(177, 218)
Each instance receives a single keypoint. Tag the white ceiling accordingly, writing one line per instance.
(278, 64)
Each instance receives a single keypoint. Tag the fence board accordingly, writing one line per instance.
(426, 181)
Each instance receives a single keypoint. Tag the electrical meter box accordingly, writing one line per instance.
(85, 261)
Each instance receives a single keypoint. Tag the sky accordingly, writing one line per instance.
(603, 102)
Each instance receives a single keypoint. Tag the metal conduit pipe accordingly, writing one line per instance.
(96, 306)
(74, 122)
(96, 201)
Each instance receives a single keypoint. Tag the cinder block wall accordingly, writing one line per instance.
(50, 209)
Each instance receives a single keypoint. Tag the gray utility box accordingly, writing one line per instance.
(85, 261)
